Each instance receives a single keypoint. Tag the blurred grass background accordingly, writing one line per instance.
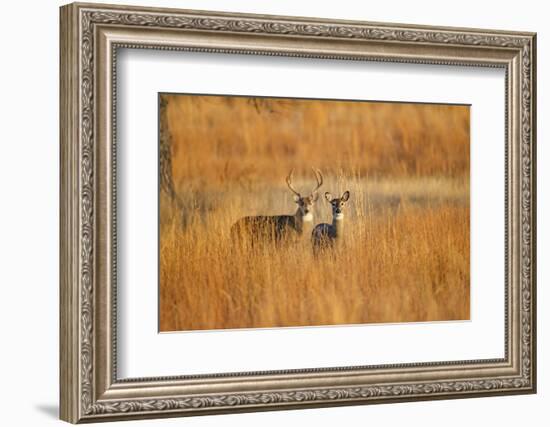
(240, 139)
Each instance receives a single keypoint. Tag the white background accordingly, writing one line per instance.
(29, 175)
(143, 352)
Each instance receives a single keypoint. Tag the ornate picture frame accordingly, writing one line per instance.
(90, 37)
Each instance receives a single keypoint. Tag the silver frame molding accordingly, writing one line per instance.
(90, 37)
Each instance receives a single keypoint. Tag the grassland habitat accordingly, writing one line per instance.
(402, 253)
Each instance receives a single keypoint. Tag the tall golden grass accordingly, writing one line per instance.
(404, 255)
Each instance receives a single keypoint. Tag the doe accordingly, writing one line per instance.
(325, 236)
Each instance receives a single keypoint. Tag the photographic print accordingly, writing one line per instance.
(280, 212)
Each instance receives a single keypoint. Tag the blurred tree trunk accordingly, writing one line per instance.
(165, 156)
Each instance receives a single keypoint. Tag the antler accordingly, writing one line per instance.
(319, 179)
(289, 183)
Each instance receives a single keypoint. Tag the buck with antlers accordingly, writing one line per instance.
(281, 227)
(325, 236)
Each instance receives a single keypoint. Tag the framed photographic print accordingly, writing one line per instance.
(263, 212)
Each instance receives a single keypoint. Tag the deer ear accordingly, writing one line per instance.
(345, 196)
(296, 198)
(328, 196)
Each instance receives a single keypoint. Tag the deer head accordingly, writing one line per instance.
(305, 203)
(337, 204)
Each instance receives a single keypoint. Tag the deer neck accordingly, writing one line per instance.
(303, 221)
(338, 224)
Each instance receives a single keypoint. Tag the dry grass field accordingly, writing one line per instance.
(405, 252)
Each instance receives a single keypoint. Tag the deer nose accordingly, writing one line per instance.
(338, 210)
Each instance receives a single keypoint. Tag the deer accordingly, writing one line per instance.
(325, 236)
(280, 228)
